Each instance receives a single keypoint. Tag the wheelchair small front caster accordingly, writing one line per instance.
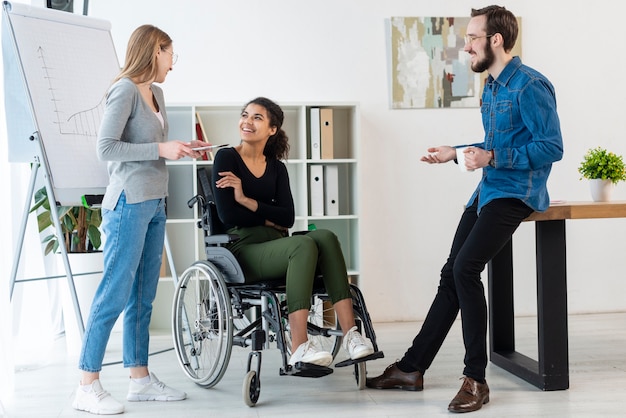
(360, 373)
(252, 382)
(251, 388)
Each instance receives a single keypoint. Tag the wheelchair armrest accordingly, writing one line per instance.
(220, 239)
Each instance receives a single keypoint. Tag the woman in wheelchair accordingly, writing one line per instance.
(254, 201)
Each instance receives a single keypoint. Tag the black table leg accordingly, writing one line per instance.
(552, 304)
(551, 371)
(501, 315)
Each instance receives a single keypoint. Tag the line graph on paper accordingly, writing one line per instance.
(83, 122)
(71, 111)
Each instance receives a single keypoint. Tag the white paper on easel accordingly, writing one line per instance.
(316, 177)
(61, 68)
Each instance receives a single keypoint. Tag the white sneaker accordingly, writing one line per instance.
(308, 353)
(155, 390)
(96, 401)
(357, 346)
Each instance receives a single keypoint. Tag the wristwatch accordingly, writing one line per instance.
(492, 162)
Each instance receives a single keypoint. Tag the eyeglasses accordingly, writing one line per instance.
(174, 56)
(469, 39)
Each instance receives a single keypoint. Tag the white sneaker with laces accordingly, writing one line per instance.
(308, 353)
(357, 346)
(155, 390)
(96, 401)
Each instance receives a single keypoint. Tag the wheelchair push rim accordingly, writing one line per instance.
(202, 324)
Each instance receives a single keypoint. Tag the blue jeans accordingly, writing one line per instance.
(132, 260)
(478, 238)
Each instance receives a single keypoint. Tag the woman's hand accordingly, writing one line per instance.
(277, 227)
(175, 150)
(199, 144)
(228, 179)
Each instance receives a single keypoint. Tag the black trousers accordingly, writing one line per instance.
(478, 238)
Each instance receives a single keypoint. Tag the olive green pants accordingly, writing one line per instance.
(265, 253)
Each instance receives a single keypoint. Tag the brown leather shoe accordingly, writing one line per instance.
(393, 378)
(471, 397)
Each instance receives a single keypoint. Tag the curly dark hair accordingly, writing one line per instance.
(278, 144)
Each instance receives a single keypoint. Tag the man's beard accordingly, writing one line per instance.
(486, 62)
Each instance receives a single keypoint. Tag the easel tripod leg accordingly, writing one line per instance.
(59, 232)
(20, 239)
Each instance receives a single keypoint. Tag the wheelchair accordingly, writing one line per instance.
(215, 309)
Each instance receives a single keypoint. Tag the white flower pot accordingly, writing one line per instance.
(601, 190)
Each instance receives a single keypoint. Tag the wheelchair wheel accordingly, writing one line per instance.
(251, 388)
(202, 324)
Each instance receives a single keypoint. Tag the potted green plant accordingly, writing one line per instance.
(604, 169)
(80, 226)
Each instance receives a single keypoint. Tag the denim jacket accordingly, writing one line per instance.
(522, 128)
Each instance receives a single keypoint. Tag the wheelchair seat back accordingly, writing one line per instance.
(215, 236)
(210, 222)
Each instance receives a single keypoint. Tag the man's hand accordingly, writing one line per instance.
(438, 155)
(476, 158)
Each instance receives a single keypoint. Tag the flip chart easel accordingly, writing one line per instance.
(57, 69)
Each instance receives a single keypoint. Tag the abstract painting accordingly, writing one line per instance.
(429, 68)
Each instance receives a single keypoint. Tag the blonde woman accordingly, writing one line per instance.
(133, 139)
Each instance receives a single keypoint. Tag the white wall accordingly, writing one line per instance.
(336, 50)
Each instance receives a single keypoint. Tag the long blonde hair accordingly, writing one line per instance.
(141, 53)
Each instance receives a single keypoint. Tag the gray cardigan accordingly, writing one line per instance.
(128, 138)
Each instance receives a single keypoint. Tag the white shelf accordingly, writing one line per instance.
(221, 126)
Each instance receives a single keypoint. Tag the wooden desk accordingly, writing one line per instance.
(551, 371)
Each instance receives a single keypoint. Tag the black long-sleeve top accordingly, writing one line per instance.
(271, 191)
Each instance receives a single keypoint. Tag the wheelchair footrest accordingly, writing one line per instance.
(306, 370)
(350, 362)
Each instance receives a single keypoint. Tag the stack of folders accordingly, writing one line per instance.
(324, 178)
(322, 134)
(324, 190)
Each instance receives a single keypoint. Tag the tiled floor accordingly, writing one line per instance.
(597, 381)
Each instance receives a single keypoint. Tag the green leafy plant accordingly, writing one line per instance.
(80, 225)
(599, 163)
